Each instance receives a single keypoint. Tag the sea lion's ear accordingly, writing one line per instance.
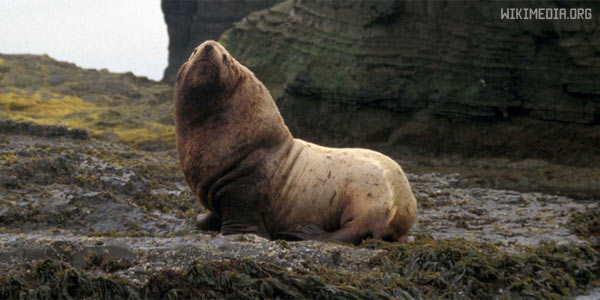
(224, 57)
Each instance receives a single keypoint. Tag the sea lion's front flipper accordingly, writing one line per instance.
(208, 222)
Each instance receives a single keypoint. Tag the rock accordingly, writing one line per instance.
(109, 106)
(437, 76)
(82, 216)
(192, 22)
(52, 182)
(33, 129)
(8, 180)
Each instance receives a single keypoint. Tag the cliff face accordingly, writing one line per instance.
(190, 22)
(437, 76)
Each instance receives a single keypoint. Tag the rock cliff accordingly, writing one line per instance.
(436, 76)
(190, 22)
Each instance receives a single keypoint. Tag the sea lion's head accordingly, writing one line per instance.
(210, 69)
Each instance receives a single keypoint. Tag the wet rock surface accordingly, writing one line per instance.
(497, 216)
(107, 211)
(89, 186)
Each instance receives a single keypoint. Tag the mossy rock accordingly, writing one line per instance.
(116, 107)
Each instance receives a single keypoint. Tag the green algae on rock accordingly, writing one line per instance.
(116, 107)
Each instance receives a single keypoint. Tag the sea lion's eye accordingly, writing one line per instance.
(224, 57)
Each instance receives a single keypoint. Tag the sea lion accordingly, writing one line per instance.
(242, 163)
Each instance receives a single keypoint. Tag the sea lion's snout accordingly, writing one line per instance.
(202, 52)
(206, 53)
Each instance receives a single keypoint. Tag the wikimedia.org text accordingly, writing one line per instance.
(546, 13)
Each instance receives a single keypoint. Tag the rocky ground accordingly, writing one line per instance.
(104, 212)
(83, 218)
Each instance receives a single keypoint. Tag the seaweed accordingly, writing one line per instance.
(51, 279)
(107, 264)
(586, 224)
(461, 269)
(424, 269)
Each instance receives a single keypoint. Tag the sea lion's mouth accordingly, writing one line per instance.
(206, 67)
(205, 60)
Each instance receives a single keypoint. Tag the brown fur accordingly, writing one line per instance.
(243, 164)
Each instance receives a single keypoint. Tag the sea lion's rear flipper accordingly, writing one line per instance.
(346, 234)
(208, 222)
(301, 232)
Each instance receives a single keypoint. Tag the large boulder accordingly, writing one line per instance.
(191, 22)
(437, 76)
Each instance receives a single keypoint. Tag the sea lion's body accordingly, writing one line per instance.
(245, 167)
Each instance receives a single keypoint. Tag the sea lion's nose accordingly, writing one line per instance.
(208, 48)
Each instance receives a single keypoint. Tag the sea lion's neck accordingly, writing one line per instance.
(197, 104)
(217, 131)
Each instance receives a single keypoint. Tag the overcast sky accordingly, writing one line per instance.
(120, 35)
